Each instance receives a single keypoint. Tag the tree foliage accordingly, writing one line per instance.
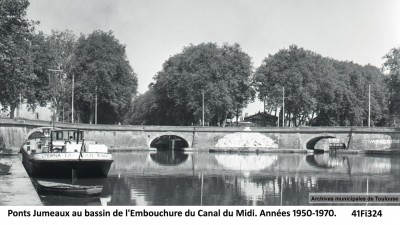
(334, 92)
(40, 67)
(392, 66)
(318, 90)
(102, 70)
(222, 74)
(16, 64)
(144, 109)
(52, 65)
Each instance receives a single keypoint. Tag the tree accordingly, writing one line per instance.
(52, 56)
(61, 46)
(221, 73)
(16, 65)
(349, 106)
(102, 71)
(322, 90)
(295, 70)
(392, 66)
(143, 109)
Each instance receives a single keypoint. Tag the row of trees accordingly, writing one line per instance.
(41, 68)
(322, 90)
(392, 66)
(318, 90)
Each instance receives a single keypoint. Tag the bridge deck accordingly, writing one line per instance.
(138, 137)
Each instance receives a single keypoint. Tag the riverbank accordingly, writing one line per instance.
(16, 189)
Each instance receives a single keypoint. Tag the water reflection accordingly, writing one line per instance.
(178, 178)
(169, 158)
(326, 161)
(246, 162)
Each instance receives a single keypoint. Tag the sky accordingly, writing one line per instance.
(362, 31)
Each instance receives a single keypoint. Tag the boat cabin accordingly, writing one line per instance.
(71, 135)
(66, 140)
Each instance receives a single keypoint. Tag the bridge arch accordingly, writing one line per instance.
(36, 132)
(312, 142)
(169, 142)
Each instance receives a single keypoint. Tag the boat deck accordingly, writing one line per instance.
(16, 189)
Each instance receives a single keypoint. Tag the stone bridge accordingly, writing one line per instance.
(15, 131)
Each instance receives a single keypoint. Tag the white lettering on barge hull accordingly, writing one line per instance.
(73, 156)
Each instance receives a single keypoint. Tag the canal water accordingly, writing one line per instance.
(189, 178)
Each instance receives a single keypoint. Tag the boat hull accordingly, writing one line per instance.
(66, 165)
(55, 187)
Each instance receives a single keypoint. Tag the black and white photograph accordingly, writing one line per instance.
(200, 103)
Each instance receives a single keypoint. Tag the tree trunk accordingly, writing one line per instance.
(223, 124)
(264, 104)
(237, 116)
(12, 111)
(304, 120)
(91, 117)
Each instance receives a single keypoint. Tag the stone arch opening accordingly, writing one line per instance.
(38, 132)
(169, 142)
(35, 135)
(325, 143)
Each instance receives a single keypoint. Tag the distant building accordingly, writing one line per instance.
(40, 113)
(262, 119)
